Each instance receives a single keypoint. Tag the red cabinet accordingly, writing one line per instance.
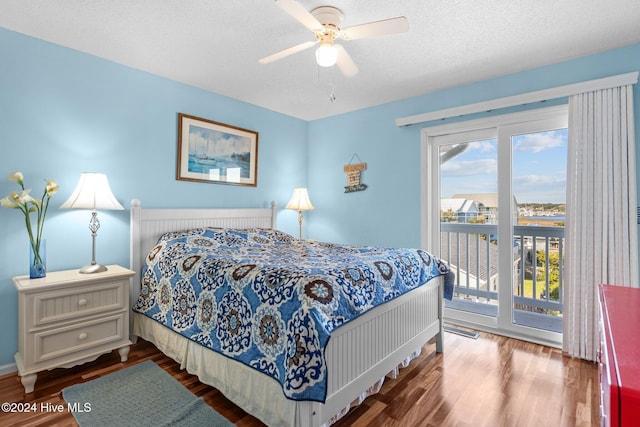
(619, 356)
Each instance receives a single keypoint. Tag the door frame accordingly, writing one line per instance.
(430, 222)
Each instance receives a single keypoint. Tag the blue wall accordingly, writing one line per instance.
(388, 212)
(64, 112)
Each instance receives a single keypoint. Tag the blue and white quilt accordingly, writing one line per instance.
(271, 301)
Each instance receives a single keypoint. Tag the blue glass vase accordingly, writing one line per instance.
(38, 264)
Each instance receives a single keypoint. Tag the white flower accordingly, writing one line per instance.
(17, 177)
(27, 204)
(8, 203)
(51, 187)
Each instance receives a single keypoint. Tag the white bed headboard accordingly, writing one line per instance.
(147, 225)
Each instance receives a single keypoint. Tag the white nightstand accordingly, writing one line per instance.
(68, 318)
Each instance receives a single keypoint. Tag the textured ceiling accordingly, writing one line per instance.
(215, 45)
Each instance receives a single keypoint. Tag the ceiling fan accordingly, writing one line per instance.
(325, 22)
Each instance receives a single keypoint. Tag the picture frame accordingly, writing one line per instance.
(214, 152)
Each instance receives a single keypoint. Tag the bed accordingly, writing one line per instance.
(361, 349)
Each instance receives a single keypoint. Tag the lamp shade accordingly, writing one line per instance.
(92, 192)
(326, 55)
(300, 200)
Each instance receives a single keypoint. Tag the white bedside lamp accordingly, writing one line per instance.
(92, 192)
(300, 202)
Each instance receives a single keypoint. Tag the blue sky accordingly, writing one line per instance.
(539, 168)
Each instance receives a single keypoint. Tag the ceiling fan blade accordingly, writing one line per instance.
(377, 28)
(345, 62)
(300, 14)
(284, 53)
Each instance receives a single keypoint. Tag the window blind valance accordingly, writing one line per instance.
(524, 98)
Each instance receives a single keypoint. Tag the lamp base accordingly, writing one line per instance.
(93, 268)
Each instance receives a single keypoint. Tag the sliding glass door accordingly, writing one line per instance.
(468, 211)
(494, 211)
(538, 184)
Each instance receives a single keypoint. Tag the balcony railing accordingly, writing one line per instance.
(537, 257)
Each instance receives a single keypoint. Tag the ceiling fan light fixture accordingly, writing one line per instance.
(325, 22)
(326, 55)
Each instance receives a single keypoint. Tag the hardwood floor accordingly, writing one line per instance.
(491, 381)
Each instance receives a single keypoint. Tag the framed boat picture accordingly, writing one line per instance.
(215, 152)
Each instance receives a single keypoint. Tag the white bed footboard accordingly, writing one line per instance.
(366, 349)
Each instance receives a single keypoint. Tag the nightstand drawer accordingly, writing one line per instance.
(74, 339)
(64, 304)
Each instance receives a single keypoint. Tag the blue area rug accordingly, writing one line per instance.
(141, 395)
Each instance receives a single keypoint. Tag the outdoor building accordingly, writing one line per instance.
(461, 209)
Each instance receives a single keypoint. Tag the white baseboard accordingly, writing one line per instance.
(8, 369)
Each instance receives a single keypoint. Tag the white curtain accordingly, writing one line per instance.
(601, 227)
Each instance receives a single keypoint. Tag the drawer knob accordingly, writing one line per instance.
(82, 336)
(82, 302)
